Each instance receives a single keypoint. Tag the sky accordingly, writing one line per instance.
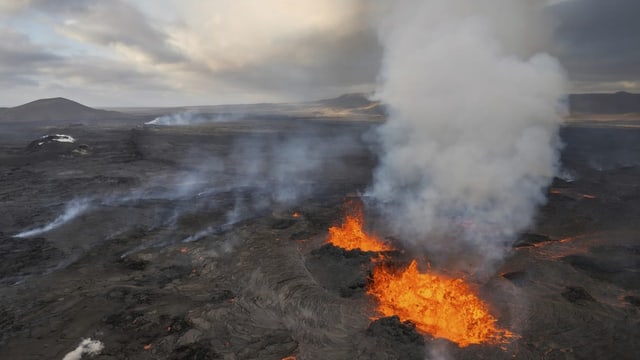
(188, 52)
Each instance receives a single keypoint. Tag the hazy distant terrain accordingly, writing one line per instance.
(616, 103)
(620, 105)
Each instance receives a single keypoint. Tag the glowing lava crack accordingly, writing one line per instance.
(438, 305)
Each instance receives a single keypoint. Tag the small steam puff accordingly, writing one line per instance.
(471, 141)
(88, 347)
(73, 209)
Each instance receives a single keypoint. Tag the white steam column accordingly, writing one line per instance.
(471, 141)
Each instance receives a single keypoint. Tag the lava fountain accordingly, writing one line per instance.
(438, 305)
(351, 235)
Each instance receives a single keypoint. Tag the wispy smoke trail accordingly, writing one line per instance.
(73, 209)
(193, 118)
(471, 141)
(88, 347)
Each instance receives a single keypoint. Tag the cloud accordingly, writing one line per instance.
(19, 57)
(195, 52)
(228, 51)
(121, 26)
(598, 43)
(282, 45)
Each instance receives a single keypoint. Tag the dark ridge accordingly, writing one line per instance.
(616, 103)
(356, 102)
(348, 101)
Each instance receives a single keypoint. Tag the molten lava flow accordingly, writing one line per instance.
(438, 305)
(350, 235)
(443, 307)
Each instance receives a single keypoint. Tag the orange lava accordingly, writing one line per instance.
(351, 235)
(441, 306)
(438, 305)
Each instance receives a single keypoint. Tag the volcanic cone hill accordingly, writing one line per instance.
(55, 109)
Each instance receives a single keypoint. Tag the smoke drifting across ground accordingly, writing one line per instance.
(471, 141)
(238, 175)
(193, 118)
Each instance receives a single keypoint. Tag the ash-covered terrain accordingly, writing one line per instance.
(208, 241)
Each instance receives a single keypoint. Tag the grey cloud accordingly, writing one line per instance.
(17, 50)
(112, 22)
(599, 40)
(335, 64)
(24, 63)
(20, 59)
(93, 71)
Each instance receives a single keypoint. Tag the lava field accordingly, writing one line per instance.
(211, 241)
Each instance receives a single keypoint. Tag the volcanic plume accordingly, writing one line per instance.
(471, 139)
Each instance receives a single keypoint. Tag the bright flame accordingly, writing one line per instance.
(350, 235)
(441, 306)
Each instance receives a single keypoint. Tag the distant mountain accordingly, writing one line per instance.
(354, 104)
(616, 103)
(55, 109)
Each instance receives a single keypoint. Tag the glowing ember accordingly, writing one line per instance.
(438, 305)
(296, 214)
(350, 235)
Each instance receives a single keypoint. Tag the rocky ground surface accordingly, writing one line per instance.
(208, 242)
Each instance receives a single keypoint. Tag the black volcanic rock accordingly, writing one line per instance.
(528, 240)
(576, 294)
(633, 300)
(401, 339)
(327, 261)
(518, 278)
(55, 109)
